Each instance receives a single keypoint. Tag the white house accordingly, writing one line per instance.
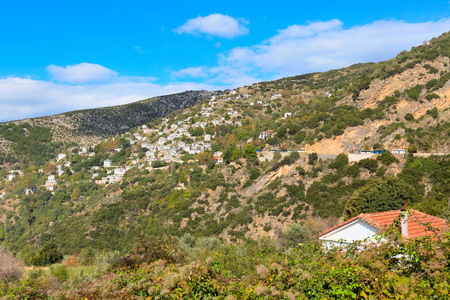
(107, 163)
(50, 183)
(218, 160)
(119, 171)
(11, 176)
(276, 96)
(167, 157)
(399, 151)
(61, 156)
(366, 226)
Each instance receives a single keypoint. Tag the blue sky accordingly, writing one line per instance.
(57, 56)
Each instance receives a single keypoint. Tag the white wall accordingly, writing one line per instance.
(357, 230)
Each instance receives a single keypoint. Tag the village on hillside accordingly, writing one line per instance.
(175, 139)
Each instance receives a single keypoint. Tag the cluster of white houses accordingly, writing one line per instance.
(168, 142)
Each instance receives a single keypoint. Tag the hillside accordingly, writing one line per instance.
(239, 165)
(92, 125)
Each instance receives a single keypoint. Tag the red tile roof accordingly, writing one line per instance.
(418, 222)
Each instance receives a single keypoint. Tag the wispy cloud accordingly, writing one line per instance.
(214, 25)
(297, 49)
(191, 72)
(320, 46)
(81, 73)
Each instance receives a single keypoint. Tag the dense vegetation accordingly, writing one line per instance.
(200, 268)
(31, 144)
(193, 227)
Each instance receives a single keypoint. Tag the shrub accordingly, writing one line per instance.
(313, 157)
(277, 156)
(293, 235)
(352, 170)
(414, 92)
(60, 272)
(409, 117)
(47, 255)
(300, 171)
(158, 164)
(432, 96)
(369, 164)
(10, 268)
(387, 158)
(340, 162)
(433, 113)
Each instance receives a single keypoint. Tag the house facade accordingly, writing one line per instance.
(365, 227)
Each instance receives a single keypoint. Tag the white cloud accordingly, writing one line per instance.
(25, 98)
(215, 25)
(81, 73)
(321, 46)
(297, 49)
(190, 72)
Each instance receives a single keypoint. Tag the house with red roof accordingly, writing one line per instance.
(364, 227)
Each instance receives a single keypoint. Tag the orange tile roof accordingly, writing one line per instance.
(418, 222)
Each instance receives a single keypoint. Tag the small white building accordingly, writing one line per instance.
(119, 171)
(276, 96)
(61, 156)
(107, 163)
(11, 176)
(399, 151)
(218, 160)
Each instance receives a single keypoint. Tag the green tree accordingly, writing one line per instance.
(369, 164)
(409, 117)
(340, 162)
(236, 154)
(312, 158)
(277, 156)
(228, 154)
(387, 158)
(250, 151)
(47, 255)
(380, 195)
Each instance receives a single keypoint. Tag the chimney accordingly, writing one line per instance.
(404, 220)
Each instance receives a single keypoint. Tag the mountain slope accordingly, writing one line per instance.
(225, 167)
(92, 125)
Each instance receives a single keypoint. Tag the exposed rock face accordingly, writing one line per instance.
(349, 141)
(355, 138)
